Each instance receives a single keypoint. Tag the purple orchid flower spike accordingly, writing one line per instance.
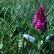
(39, 19)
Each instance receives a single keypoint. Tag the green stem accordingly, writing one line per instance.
(17, 47)
(50, 10)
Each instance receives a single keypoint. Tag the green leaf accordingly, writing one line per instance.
(1, 45)
(1, 35)
(40, 43)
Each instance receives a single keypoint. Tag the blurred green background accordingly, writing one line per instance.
(23, 11)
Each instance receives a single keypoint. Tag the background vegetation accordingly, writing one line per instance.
(20, 13)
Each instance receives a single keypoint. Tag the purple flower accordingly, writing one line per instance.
(39, 19)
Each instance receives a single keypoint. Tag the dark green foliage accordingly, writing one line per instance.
(23, 11)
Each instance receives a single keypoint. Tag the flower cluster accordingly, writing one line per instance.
(39, 19)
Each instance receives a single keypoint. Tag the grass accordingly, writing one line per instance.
(23, 11)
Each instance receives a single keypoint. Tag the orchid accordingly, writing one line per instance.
(39, 19)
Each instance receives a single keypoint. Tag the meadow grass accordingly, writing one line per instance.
(23, 11)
